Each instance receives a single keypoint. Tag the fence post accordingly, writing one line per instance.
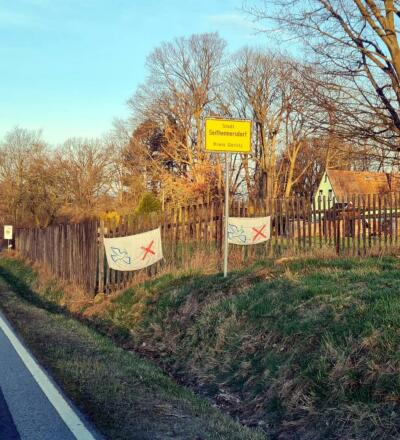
(101, 257)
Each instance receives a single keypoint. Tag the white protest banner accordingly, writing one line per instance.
(245, 230)
(134, 252)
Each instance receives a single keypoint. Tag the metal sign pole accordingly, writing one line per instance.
(219, 134)
(226, 212)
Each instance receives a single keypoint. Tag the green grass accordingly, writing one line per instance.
(309, 349)
(125, 396)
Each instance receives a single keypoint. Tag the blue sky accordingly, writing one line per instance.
(69, 66)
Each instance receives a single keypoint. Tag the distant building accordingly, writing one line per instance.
(342, 185)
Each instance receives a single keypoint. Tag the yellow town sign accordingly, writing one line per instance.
(228, 136)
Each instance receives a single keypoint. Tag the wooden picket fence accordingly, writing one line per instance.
(357, 225)
(70, 251)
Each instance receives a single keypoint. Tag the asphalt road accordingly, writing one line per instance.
(8, 429)
(26, 412)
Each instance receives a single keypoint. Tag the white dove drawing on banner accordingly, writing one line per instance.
(120, 254)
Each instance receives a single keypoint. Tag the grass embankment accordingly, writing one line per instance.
(125, 396)
(308, 349)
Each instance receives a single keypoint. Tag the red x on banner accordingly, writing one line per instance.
(148, 250)
(259, 232)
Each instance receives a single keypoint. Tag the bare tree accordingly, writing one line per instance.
(27, 179)
(184, 76)
(257, 83)
(126, 165)
(356, 43)
(270, 88)
(85, 175)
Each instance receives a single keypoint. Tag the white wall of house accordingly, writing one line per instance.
(324, 189)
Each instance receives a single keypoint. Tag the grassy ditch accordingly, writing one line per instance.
(125, 396)
(308, 349)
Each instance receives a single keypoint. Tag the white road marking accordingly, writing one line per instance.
(67, 414)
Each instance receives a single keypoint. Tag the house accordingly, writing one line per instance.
(342, 185)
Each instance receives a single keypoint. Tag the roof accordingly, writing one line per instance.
(395, 182)
(345, 183)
